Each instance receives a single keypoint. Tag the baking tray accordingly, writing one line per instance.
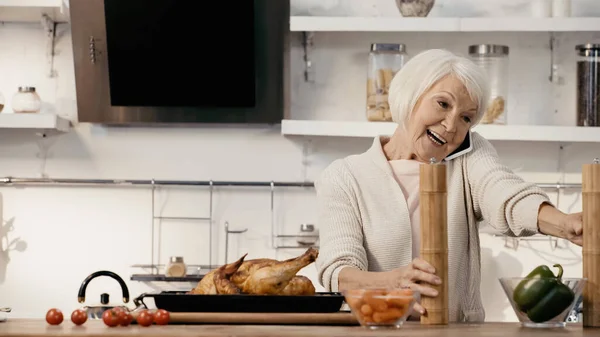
(181, 301)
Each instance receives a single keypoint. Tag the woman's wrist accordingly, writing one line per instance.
(551, 221)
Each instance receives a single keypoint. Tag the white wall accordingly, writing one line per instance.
(71, 232)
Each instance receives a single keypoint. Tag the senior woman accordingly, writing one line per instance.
(368, 204)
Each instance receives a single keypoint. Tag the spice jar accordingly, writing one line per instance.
(176, 267)
(26, 100)
(385, 60)
(494, 60)
(588, 87)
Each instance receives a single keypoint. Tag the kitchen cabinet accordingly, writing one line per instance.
(13, 328)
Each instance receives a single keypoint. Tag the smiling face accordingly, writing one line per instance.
(441, 119)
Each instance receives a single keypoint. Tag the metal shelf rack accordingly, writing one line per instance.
(154, 268)
(275, 237)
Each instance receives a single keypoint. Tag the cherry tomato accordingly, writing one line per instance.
(161, 317)
(78, 317)
(117, 309)
(54, 316)
(110, 318)
(125, 318)
(145, 318)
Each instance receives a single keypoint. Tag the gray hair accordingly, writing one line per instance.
(424, 70)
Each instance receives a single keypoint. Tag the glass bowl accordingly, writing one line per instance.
(381, 308)
(542, 302)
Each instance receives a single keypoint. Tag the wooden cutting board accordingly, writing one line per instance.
(338, 318)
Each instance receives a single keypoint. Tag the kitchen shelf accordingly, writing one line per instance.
(195, 273)
(39, 121)
(435, 24)
(571, 24)
(31, 3)
(163, 278)
(357, 129)
(32, 10)
(371, 24)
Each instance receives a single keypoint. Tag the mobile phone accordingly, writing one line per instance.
(465, 147)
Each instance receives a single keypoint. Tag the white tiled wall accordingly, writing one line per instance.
(67, 233)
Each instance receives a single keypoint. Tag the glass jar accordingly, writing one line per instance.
(176, 267)
(26, 100)
(494, 60)
(588, 85)
(308, 235)
(385, 60)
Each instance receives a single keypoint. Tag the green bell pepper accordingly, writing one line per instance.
(543, 296)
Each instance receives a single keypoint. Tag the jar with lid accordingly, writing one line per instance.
(385, 60)
(588, 84)
(308, 235)
(494, 60)
(176, 267)
(26, 100)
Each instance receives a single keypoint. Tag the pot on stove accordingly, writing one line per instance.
(95, 312)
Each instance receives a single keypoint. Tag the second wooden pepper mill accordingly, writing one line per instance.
(590, 195)
(434, 237)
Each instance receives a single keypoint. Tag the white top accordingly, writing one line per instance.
(406, 173)
(364, 220)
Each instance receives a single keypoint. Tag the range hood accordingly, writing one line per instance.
(171, 62)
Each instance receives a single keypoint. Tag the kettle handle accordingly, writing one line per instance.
(84, 284)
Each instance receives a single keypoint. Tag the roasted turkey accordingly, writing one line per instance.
(259, 277)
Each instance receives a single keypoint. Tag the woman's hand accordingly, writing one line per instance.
(417, 275)
(573, 227)
(553, 222)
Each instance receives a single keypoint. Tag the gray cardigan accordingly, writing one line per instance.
(364, 221)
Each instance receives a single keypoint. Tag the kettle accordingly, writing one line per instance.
(95, 312)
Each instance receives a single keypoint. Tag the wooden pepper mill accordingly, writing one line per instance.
(590, 191)
(434, 237)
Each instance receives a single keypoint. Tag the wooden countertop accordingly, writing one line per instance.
(32, 328)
